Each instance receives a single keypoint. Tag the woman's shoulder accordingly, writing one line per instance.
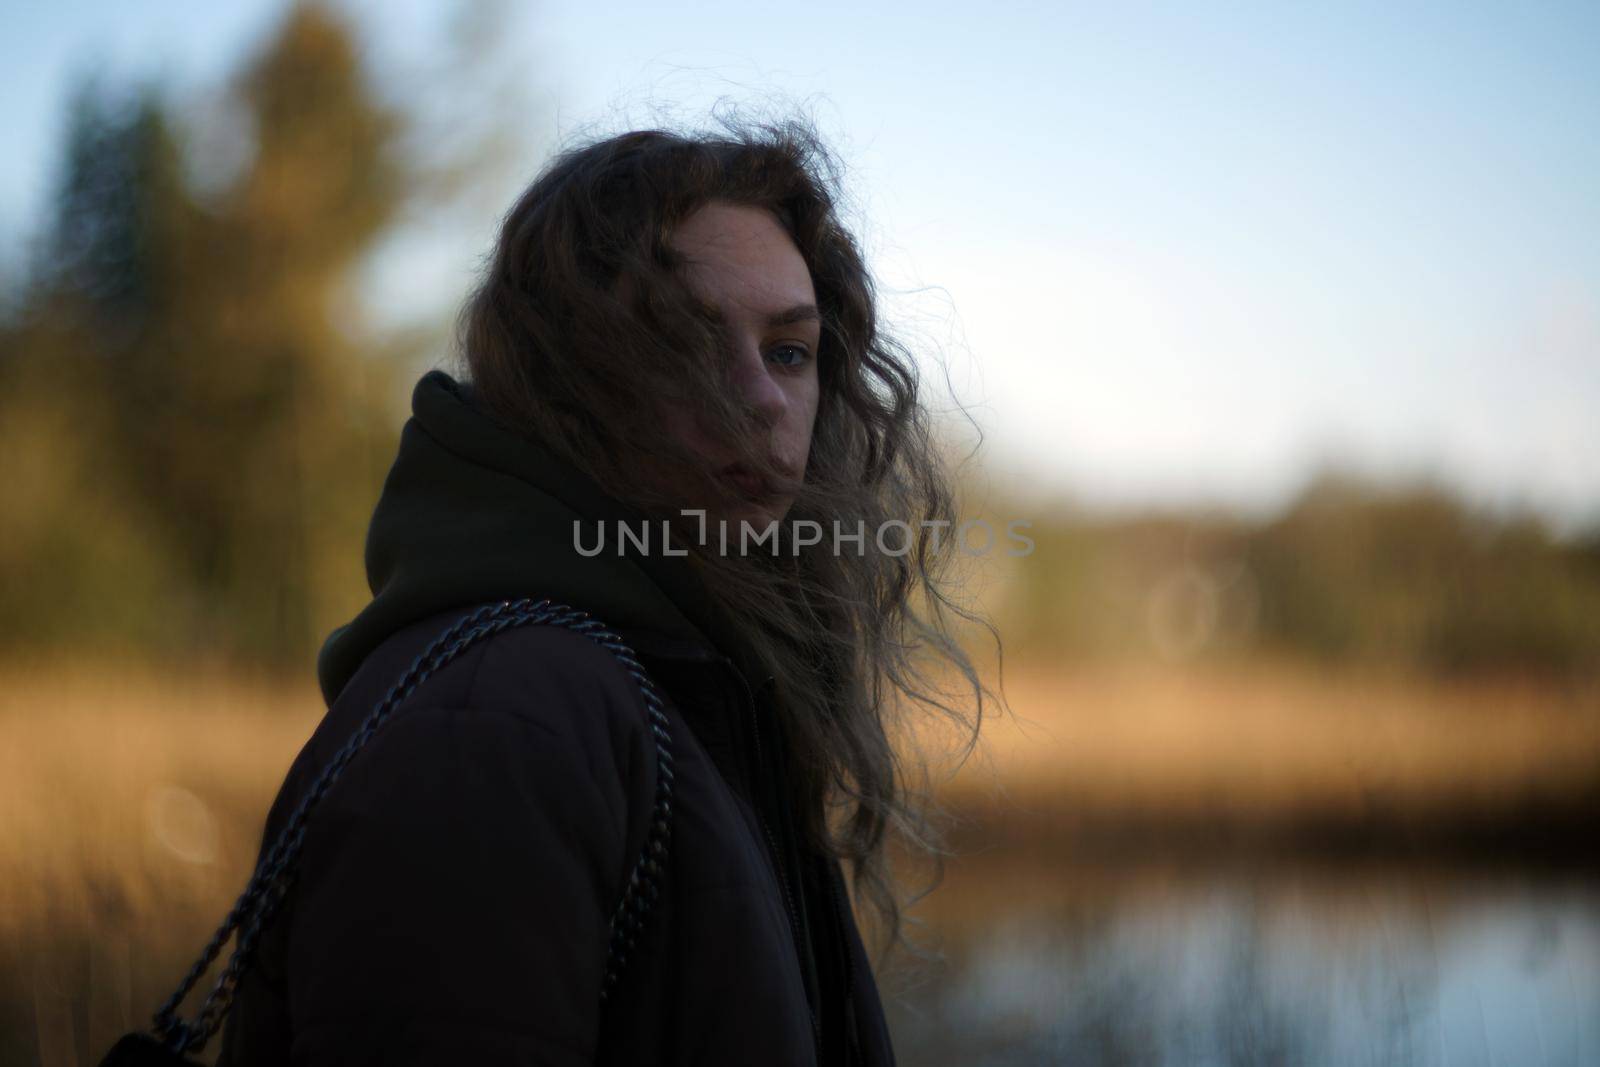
(538, 695)
(545, 675)
(493, 820)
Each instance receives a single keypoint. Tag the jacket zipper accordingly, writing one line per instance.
(777, 855)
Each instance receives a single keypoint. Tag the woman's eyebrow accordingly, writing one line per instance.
(790, 316)
(786, 317)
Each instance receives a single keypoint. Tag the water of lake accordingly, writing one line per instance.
(1257, 967)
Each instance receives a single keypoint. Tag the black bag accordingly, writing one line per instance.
(170, 1037)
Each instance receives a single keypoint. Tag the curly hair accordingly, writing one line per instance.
(583, 319)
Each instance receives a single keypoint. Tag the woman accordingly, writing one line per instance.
(676, 334)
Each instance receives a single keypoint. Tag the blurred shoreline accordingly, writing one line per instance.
(1256, 760)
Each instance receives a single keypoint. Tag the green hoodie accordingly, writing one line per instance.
(472, 513)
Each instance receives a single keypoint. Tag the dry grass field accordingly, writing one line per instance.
(131, 803)
(1257, 737)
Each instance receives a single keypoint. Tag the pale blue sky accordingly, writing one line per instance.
(1169, 254)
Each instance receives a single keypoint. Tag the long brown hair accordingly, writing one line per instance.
(582, 321)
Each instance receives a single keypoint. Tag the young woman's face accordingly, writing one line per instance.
(742, 265)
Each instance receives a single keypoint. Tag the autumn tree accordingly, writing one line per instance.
(196, 413)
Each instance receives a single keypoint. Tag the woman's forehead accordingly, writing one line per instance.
(739, 260)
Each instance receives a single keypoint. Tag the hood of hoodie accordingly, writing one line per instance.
(471, 513)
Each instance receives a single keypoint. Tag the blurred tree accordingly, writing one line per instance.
(1412, 576)
(1407, 576)
(198, 409)
(78, 546)
(270, 444)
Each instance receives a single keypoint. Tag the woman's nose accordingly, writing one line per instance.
(759, 391)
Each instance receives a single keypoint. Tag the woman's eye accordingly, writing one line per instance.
(794, 358)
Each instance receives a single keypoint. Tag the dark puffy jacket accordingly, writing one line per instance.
(456, 886)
